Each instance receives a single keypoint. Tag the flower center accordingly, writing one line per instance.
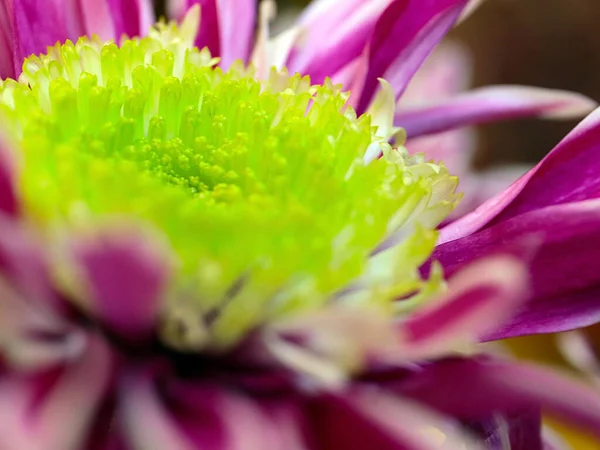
(260, 186)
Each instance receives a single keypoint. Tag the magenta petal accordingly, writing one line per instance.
(204, 416)
(226, 27)
(491, 104)
(472, 389)
(479, 299)
(405, 34)
(560, 243)
(126, 276)
(54, 410)
(373, 419)
(236, 29)
(36, 25)
(208, 32)
(130, 17)
(8, 196)
(569, 173)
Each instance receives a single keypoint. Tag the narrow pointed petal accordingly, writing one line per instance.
(373, 419)
(475, 388)
(130, 17)
(491, 104)
(333, 35)
(55, 410)
(564, 290)
(199, 416)
(569, 173)
(479, 299)
(226, 26)
(405, 34)
(126, 274)
(9, 203)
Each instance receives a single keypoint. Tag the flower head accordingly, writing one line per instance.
(195, 257)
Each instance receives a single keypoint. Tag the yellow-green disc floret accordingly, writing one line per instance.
(261, 184)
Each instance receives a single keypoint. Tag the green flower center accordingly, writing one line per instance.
(258, 185)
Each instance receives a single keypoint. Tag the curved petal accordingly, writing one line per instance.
(480, 298)
(474, 388)
(9, 202)
(130, 17)
(405, 34)
(491, 104)
(197, 416)
(333, 35)
(560, 243)
(126, 274)
(226, 26)
(55, 410)
(569, 173)
(372, 419)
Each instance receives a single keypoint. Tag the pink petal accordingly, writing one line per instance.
(560, 243)
(334, 34)
(126, 274)
(570, 172)
(372, 419)
(491, 104)
(9, 202)
(236, 29)
(475, 388)
(130, 17)
(197, 416)
(226, 27)
(54, 411)
(480, 298)
(405, 34)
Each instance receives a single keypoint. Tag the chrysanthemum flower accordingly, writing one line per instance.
(29, 26)
(195, 258)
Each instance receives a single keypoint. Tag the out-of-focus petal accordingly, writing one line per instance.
(491, 104)
(333, 35)
(226, 26)
(472, 388)
(516, 431)
(130, 17)
(190, 416)
(37, 24)
(480, 298)
(561, 244)
(125, 275)
(569, 173)
(405, 34)
(364, 419)
(478, 187)
(9, 204)
(7, 68)
(447, 71)
(55, 410)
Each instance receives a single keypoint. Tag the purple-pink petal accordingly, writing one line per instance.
(126, 275)
(560, 245)
(56, 409)
(490, 104)
(226, 27)
(471, 389)
(374, 419)
(405, 34)
(569, 173)
(480, 298)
